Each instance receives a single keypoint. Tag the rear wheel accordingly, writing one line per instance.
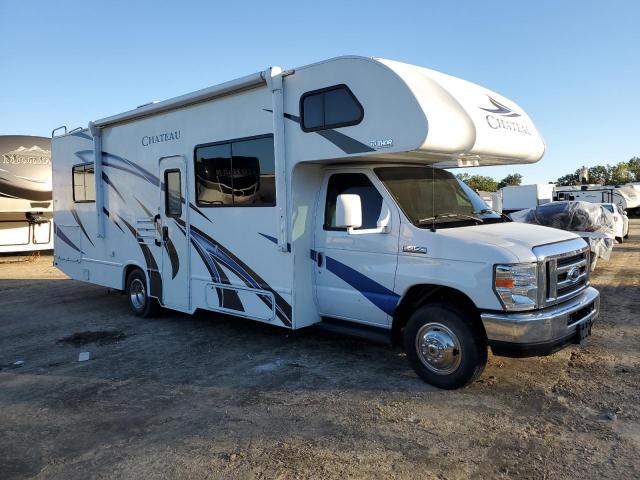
(140, 302)
(620, 239)
(444, 347)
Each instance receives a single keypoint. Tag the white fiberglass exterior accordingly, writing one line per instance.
(278, 264)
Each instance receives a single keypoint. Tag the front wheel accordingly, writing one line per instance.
(140, 302)
(444, 347)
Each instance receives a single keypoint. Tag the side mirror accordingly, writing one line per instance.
(348, 211)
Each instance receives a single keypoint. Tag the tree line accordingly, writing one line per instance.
(618, 174)
(488, 184)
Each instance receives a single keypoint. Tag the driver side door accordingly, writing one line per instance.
(355, 269)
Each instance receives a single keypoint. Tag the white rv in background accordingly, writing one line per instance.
(626, 197)
(26, 206)
(521, 197)
(317, 196)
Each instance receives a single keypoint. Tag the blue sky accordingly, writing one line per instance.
(574, 66)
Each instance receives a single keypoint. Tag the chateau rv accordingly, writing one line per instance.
(317, 196)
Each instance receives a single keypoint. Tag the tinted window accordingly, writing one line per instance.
(354, 183)
(313, 111)
(340, 107)
(214, 185)
(254, 181)
(84, 187)
(172, 193)
(331, 107)
(240, 173)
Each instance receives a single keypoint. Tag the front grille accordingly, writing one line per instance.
(566, 276)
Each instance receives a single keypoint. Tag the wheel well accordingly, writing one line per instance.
(127, 271)
(419, 295)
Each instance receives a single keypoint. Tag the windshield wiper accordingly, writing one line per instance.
(504, 216)
(432, 220)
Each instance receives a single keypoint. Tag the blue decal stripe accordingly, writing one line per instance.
(248, 276)
(119, 167)
(269, 237)
(108, 181)
(146, 174)
(199, 212)
(383, 298)
(66, 240)
(112, 218)
(79, 222)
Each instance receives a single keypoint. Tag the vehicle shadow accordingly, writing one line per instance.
(206, 349)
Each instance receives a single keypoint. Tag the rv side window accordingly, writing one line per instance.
(238, 173)
(331, 107)
(172, 193)
(84, 187)
(355, 183)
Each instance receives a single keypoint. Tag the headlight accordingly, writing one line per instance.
(517, 286)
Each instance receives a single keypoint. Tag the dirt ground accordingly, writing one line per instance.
(219, 397)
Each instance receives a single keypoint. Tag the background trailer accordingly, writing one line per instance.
(26, 207)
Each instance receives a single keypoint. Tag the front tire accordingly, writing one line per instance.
(444, 347)
(141, 304)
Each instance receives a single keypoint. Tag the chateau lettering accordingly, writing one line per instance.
(501, 123)
(162, 137)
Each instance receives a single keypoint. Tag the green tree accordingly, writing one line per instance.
(569, 179)
(511, 179)
(620, 174)
(479, 182)
(634, 168)
(599, 174)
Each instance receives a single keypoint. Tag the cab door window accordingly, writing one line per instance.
(353, 183)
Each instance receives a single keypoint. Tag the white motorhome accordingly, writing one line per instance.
(317, 196)
(521, 197)
(26, 207)
(626, 197)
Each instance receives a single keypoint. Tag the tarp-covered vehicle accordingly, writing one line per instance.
(591, 221)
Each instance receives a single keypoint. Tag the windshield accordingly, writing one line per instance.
(429, 195)
(608, 207)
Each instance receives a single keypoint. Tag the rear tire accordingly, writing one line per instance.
(141, 304)
(620, 239)
(444, 346)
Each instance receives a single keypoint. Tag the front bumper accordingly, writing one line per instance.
(541, 332)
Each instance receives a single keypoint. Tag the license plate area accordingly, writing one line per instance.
(583, 330)
(580, 314)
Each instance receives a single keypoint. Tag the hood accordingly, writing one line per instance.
(514, 240)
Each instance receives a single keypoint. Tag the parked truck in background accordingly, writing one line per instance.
(318, 196)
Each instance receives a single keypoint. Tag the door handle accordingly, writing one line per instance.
(319, 259)
(165, 233)
(155, 225)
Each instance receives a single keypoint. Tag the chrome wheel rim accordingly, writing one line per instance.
(438, 348)
(137, 294)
